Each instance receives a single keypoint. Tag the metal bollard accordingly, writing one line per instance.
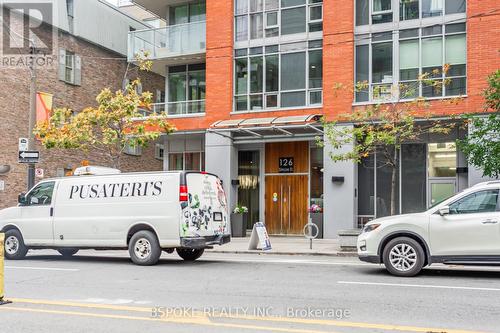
(2, 300)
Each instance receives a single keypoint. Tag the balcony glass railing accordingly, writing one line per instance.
(184, 108)
(170, 41)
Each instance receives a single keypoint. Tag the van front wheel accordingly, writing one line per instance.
(14, 245)
(190, 254)
(144, 248)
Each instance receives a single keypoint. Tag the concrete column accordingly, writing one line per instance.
(221, 158)
(340, 202)
(165, 152)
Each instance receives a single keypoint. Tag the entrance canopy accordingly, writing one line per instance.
(269, 129)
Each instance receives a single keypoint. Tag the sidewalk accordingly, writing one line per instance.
(287, 246)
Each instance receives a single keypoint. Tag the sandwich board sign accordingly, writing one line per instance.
(260, 238)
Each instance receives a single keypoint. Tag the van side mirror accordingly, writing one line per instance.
(22, 199)
(444, 210)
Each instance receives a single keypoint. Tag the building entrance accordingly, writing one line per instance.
(287, 187)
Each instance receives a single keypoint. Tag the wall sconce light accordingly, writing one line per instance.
(336, 179)
(4, 169)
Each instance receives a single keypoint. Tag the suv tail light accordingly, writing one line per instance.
(183, 193)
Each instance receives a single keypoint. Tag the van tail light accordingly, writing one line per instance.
(183, 193)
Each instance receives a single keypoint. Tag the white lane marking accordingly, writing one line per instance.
(118, 301)
(44, 268)
(288, 261)
(416, 286)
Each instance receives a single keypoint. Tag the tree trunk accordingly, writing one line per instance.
(393, 190)
(394, 182)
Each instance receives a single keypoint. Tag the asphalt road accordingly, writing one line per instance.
(104, 292)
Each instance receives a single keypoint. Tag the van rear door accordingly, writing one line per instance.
(206, 213)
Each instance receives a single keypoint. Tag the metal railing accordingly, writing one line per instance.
(169, 41)
(183, 108)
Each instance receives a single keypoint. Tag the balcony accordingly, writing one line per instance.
(176, 43)
(179, 109)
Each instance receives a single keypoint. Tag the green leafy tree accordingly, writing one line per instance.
(117, 122)
(482, 145)
(383, 127)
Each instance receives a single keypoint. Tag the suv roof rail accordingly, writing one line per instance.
(491, 182)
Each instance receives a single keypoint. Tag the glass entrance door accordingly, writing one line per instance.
(440, 190)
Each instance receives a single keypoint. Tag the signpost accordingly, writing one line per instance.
(29, 157)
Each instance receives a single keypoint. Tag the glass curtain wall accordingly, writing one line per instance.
(287, 75)
(186, 89)
(187, 13)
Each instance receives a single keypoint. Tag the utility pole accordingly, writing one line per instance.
(32, 113)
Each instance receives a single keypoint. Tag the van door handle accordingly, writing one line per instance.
(489, 221)
(51, 211)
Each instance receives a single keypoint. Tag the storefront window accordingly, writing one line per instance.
(366, 190)
(413, 184)
(188, 161)
(317, 177)
(176, 162)
(442, 160)
(387, 193)
(249, 182)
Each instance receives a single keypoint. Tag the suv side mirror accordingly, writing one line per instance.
(22, 199)
(444, 210)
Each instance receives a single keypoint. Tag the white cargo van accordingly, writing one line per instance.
(142, 212)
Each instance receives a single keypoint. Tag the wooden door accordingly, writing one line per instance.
(295, 204)
(286, 204)
(274, 204)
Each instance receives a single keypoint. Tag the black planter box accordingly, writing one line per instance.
(239, 225)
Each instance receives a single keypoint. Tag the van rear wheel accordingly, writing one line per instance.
(190, 254)
(14, 245)
(144, 248)
(67, 253)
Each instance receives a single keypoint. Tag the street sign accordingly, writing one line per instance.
(23, 144)
(29, 157)
(39, 173)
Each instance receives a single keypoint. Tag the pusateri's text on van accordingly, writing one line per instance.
(121, 190)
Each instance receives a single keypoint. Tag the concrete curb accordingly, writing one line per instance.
(326, 254)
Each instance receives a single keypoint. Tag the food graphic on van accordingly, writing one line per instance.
(209, 218)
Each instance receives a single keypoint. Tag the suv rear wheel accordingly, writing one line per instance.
(144, 248)
(404, 257)
(190, 254)
(14, 245)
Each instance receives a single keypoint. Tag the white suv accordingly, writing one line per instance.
(464, 229)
